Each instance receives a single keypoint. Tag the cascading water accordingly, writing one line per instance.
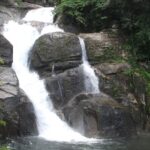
(90, 79)
(22, 37)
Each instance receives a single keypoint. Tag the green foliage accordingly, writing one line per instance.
(83, 12)
(131, 16)
(2, 123)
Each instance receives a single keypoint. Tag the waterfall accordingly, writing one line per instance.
(22, 36)
(90, 79)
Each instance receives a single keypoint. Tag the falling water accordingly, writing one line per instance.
(53, 71)
(22, 37)
(90, 79)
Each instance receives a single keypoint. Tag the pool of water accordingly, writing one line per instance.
(141, 142)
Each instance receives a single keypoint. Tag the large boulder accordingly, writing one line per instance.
(61, 50)
(13, 119)
(6, 51)
(100, 115)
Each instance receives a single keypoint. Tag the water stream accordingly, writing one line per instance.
(22, 36)
(90, 79)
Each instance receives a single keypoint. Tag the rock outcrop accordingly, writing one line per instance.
(116, 111)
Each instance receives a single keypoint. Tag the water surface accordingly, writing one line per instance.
(141, 142)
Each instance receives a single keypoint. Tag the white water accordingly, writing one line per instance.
(90, 79)
(22, 37)
(41, 15)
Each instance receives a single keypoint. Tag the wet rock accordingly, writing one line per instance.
(62, 50)
(99, 115)
(64, 86)
(6, 51)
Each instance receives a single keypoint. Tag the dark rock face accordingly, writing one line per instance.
(6, 51)
(62, 50)
(65, 86)
(99, 115)
(27, 118)
(13, 108)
